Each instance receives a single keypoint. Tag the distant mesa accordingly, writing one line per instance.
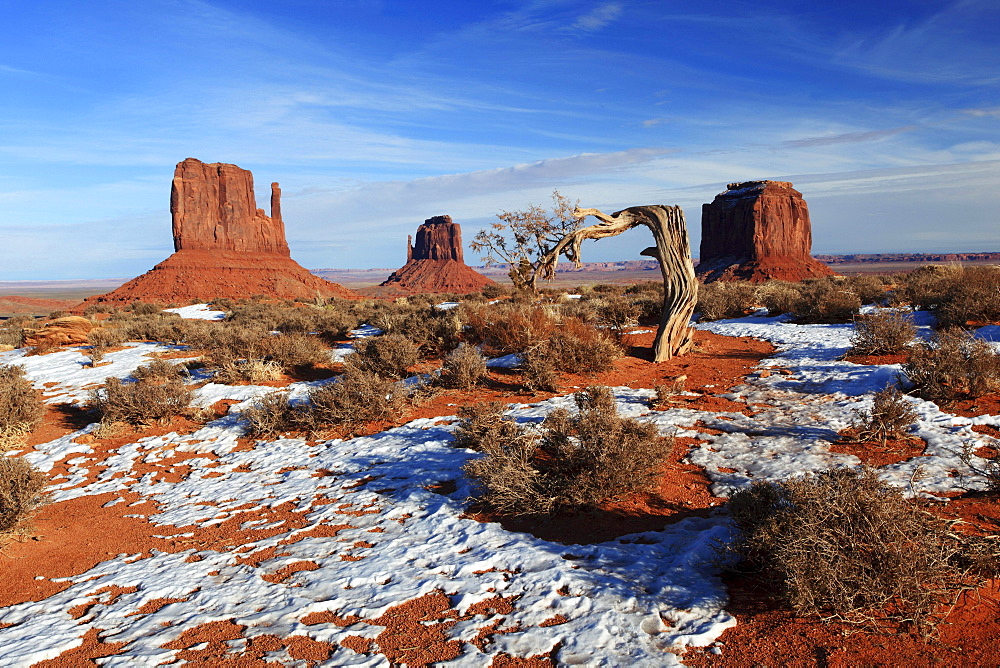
(224, 245)
(757, 231)
(435, 263)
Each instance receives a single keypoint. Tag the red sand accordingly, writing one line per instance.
(72, 536)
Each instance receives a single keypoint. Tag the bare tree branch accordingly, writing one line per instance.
(672, 250)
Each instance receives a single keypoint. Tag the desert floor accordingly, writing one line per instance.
(192, 542)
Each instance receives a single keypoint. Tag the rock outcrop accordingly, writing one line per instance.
(70, 330)
(224, 245)
(435, 263)
(757, 231)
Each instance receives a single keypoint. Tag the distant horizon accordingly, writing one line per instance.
(498, 266)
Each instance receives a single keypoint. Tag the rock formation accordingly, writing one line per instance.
(757, 231)
(224, 245)
(435, 263)
(69, 330)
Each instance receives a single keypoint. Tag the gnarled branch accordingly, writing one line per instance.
(672, 250)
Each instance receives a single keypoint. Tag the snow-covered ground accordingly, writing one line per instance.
(390, 539)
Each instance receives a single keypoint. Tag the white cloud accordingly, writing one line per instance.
(598, 17)
(849, 137)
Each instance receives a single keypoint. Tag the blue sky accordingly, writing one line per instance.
(376, 115)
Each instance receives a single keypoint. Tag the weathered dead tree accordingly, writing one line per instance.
(672, 250)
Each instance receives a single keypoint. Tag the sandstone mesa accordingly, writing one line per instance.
(435, 263)
(224, 245)
(757, 231)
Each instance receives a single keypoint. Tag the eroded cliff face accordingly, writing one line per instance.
(435, 263)
(757, 230)
(224, 245)
(213, 207)
(438, 238)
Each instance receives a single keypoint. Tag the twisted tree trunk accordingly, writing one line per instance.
(672, 250)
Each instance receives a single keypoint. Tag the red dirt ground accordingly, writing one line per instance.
(72, 536)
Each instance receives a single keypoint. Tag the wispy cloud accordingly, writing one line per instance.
(993, 112)
(598, 17)
(947, 46)
(848, 137)
(653, 122)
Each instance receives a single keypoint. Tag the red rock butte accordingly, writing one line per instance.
(435, 262)
(224, 245)
(757, 231)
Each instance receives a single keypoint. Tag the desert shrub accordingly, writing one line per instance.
(985, 466)
(142, 401)
(463, 367)
(164, 327)
(654, 288)
(436, 334)
(334, 324)
(882, 333)
(387, 355)
(95, 308)
(573, 347)
(846, 545)
(952, 364)
(258, 314)
(926, 288)
(974, 298)
(160, 370)
(293, 349)
(243, 351)
(570, 461)
(13, 330)
(102, 338)
(891, 414)
(650, 307)
(234, 371)
(586, 309)
(434, 331)
(494, 291)
(869, 289)
(233, 340)
(106, 337)
(485, 423)
(617, 312)
(507, 328)
(538, 370)
(21, 408)
(668, 392)
(779, 297)
(270, 415)
(359, 396)
(825, 300)
(726, 299)
(22, 492)
(144, 308)
(576, 347)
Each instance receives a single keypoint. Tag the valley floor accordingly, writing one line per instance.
(191, 542)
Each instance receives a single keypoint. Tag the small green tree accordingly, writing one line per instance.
(523, 238)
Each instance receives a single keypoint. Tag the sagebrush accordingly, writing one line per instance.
(22, 492)
(951, 365)
(846, 545)
(890, 416)
(21, 408)
(568, 462)
(886, 332)
(148, 398)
